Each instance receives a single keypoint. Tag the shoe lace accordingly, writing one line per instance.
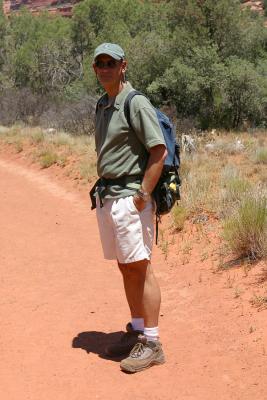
(138, 350)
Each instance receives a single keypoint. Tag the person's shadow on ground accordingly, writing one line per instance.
(96, 342)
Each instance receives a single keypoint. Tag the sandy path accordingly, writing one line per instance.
(60, 300)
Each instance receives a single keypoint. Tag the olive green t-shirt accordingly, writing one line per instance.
(121, 150)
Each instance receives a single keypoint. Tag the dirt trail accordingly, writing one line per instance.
(60, 302)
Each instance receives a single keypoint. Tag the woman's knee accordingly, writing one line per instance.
(138, 268)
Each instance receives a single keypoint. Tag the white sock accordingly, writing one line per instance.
(138, 324)
(152, 334)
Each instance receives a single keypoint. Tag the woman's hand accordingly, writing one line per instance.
(139, 203)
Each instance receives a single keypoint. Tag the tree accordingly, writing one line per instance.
(39, 52)
(206, 57)
(245, 93)
(193, 84)
(2, 35)
(87, 22)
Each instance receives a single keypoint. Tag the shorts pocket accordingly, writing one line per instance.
(132, 205)
(148, 208)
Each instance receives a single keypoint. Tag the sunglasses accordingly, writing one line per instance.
(106, 64)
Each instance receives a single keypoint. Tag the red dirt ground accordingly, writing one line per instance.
(61, 302)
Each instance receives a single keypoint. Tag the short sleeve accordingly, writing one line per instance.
(145, 122)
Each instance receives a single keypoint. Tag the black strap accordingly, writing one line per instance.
(92, 195)
(122, 181)
(101, 184)
(127, 114)
(158, 220)
(127, 103)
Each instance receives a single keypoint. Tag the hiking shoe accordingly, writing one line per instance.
(143, 355)
(125, 344)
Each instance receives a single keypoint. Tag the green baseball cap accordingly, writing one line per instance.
(111, 49)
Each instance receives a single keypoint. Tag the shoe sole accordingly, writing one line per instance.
(154, 362)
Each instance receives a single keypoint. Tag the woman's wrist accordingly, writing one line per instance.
(144, 195)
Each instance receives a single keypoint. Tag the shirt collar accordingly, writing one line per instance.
(120, 98)
(103, 101)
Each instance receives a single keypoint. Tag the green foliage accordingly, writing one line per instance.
(245, 93)
(207, 79)
(2, 36)
(206, 58)
(224, 21)
(86, 22)
(155, 58)
(192, 84)
(39, 52)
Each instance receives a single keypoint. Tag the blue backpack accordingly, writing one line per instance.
(166, 192)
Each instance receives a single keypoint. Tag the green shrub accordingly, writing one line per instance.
(246, 230)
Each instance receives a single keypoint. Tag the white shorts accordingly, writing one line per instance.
(126, 234)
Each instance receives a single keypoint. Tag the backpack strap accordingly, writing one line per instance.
(127, 104)
(97, 105)
(127, 114)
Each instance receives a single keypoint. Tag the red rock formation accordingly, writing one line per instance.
(62, 7)
(255, 5)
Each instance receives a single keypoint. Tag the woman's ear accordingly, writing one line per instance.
(123, 70)
(124, 66)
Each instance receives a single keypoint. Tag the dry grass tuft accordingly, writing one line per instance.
(47, 158)
(260, 156)
(233, 188)
(87, 168)
(199, 181)
(179, 215)
(259, 302)
(246, 230)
